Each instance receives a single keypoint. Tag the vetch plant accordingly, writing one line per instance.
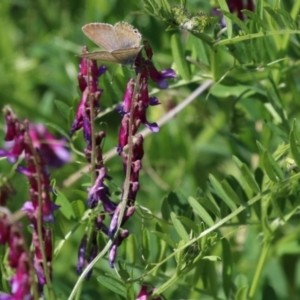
(177, 177)
(133, 109)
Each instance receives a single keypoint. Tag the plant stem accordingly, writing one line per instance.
(259, 268)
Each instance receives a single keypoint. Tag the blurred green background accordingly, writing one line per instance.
(39, 41)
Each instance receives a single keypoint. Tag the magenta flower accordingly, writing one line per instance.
(53, 150)
(117, 242)
(160, 77)
(30, 141)
(99, 192)
(88, 84)
(18, 260)
(144, 295)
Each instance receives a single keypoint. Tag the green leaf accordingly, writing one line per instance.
(70, 118)
(211, 258)
(289, 21)
(247, 175)
(227, 267)
(150, 6)
(166, 7)
(242, 293)
(236, 20)
(78, 208)
(165, 209)
(113, 284)
(131, 247)
(188, 223)
(218, 189)
(271, 167)
(179, 57)
(65, 206)
(261, 148)
(259, 8)
(230, 192)
(249, 178)
(212, 277)
(145, 244)
(124, 274)
(296, 130)
(63, 108)
(274, 16)
(202, 213)
(253, 16)
(165, 237)
(210, 204)
(183, 3)
(294, 143)
(161, 250)
(179, 228)
(224, 7)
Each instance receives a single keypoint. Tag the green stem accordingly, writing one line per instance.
(259, 269)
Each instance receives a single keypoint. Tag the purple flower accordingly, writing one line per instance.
(88, 84)
(14, 153)
(81, 254)
(99, 192)
(144, 295)
(113, 250)
(160, 77)
(18, 260)
(124, 108)
(54, 150)
(140, 114)
(36, 143)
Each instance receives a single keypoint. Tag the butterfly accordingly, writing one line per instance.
(120, 42)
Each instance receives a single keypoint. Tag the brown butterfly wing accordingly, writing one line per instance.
(100, 55)
(127, 35)
(126, 56)
(103, 35)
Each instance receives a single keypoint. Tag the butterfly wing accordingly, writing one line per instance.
(126, 56)
(103, 35)
(100, 55)
(127, 35)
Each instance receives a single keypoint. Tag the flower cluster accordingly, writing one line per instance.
(40, 207)
(21, 282)
(53, 150)
(136, 94)
(87, 110)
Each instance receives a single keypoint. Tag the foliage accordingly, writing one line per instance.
(218, 208)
